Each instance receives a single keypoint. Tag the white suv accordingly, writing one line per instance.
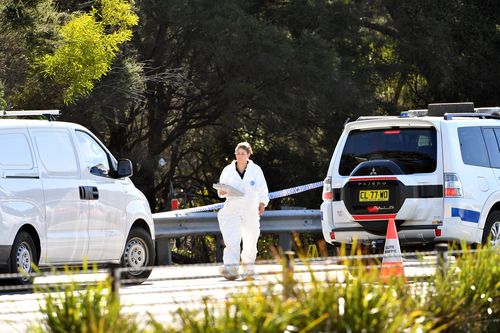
(64, 199)
(436, 172)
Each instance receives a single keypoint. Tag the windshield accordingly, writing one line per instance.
(413, 149)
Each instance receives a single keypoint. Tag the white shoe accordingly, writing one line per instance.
(249, 272)
(249, 275)
(229, 273)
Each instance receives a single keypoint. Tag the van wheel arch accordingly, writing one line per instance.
(141, 224)
(36, 239)
(492, 227)
(24, 254)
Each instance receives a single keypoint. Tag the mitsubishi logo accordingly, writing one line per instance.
(373, 172)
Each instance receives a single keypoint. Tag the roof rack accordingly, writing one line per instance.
(449, 116)
(439, 109)
(49, 114)
(489, 109)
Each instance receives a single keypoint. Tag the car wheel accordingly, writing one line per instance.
(22, 257)
(491, 232)
(139, 253)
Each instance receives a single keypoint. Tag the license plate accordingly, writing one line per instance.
(373, 195)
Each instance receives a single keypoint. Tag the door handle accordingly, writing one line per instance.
(89, 193)
(95, 193)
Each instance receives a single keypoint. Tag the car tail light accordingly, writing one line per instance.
(437, 232)
(327, 189)
(452, 186)
(332, 235)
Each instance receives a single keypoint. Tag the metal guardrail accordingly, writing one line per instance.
(282, 222)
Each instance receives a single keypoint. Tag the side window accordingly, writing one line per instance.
(94, 156)
(492, 135)
(15, 152)
(56, 152)
(472, 146)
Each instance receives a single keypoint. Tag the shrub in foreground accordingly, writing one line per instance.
(464, 299)
(74, 308)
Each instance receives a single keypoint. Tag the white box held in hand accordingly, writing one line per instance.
(231, 191)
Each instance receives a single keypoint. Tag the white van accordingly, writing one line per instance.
(64, 199)
(436, 172)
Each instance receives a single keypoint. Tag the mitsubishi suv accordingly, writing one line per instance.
(436, 172)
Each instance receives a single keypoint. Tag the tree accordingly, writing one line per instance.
(88, 46)
(27, 30)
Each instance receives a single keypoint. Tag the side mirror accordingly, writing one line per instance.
(124, 168)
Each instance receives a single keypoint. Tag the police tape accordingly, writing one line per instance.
(294, 190)
(273, 195)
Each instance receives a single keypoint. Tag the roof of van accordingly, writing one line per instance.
(32, 123)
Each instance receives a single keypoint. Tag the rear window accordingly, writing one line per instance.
(15, 152)
(413, 149)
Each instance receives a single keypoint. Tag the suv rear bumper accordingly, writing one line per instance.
(451, 230)
(412, 234)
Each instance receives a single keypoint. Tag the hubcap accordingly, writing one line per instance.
(495, 234)
(23, 258)
(136, 255)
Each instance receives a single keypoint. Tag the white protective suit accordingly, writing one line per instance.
(239, 218)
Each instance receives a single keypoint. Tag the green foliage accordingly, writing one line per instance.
(84, 309)
(3, 103)
(88, 46)
(467, 300)
(27, 30)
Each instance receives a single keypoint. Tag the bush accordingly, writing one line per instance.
(465, 299)
(84, 309)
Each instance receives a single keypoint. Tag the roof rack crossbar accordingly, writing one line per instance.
(49, 114)
(449, 116)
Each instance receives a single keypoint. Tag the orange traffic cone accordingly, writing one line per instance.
(392, 263)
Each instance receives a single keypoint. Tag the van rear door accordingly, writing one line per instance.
(21, 195)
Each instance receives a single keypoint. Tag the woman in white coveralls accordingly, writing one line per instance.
(240, 218)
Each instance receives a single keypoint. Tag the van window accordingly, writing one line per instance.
(472, 146)
(56, 152)
(94, 156)
(413, 149)
(15, 152)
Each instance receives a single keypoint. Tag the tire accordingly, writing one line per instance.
(139, 252)
(22, 258)
(491, 232)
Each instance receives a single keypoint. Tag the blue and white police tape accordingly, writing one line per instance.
(272, 195)
(294, 190)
